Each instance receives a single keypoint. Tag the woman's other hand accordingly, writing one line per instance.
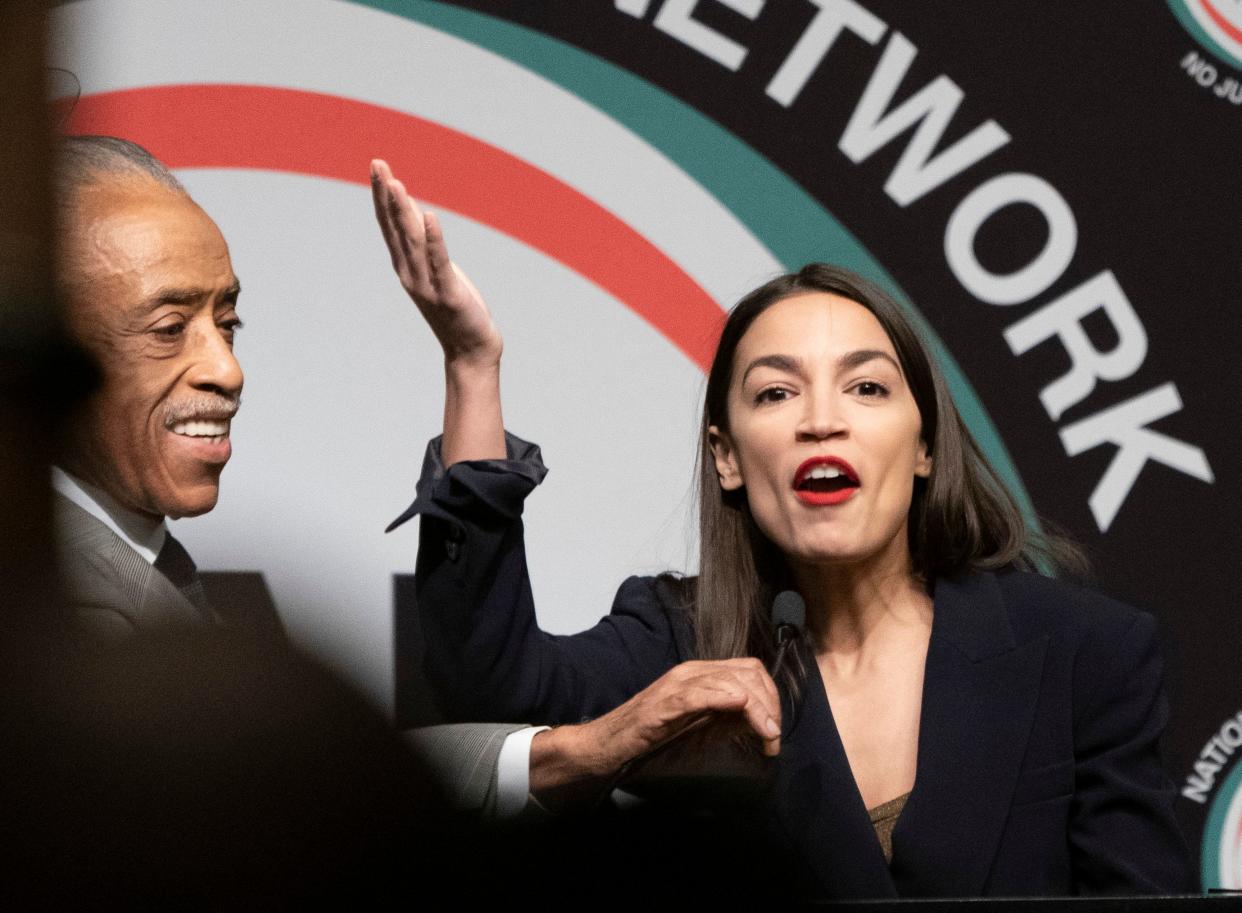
(454, 309)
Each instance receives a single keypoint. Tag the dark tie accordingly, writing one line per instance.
(175, 563)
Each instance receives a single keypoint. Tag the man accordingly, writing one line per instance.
(151, 295)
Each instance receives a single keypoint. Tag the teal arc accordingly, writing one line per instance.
(1214, 831)
(782, 216)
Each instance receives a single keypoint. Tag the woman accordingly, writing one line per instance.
(1008, 722)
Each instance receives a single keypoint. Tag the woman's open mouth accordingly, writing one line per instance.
(825, 480)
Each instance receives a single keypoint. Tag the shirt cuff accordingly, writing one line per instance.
(486, 487)
(513, 772)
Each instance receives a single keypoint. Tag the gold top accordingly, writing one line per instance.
(884, 819)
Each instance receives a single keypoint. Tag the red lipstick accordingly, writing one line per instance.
(837, 488)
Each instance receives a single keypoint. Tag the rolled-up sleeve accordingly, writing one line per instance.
(486, 657)
(476, 488)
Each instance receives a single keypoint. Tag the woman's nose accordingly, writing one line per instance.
(821, 418)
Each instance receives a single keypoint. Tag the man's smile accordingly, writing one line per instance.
(203, 439)
(202, 428)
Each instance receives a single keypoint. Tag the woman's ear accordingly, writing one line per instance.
(727, 469)
(923, 461)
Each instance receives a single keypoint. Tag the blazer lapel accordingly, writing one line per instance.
(97, 567)
(818, 811)
(979, 696)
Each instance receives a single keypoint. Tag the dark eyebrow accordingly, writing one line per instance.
(175, 295)
(851, 360)
(847, 362)
(189, 295)
(229, 296)
(786, 363)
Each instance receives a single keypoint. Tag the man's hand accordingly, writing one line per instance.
(449, 302)
(570, 760)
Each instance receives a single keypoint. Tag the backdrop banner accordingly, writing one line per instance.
(1051, 190)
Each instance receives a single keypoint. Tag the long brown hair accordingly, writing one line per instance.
(961, 518)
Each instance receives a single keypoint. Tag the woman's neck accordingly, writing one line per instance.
(854, 608)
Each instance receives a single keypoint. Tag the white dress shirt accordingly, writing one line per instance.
(513, 772)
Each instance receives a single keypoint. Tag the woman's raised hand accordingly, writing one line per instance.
(454, 309)
(447, 299)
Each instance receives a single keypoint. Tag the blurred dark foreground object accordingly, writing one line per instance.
(220, 771)
(207, 771)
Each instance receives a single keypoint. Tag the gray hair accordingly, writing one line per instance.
(83, 160)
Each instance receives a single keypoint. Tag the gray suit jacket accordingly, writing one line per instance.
(464, 759)
(112, 592)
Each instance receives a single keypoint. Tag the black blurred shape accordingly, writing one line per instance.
(244, 601)
(415, 705)
(209, 771)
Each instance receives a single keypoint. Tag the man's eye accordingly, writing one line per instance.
(230, 326)
(170, 331)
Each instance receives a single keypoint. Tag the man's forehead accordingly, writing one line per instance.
(149, 237)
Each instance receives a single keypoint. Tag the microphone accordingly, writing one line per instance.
(788, 620)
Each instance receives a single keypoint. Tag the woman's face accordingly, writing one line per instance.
(824, 433)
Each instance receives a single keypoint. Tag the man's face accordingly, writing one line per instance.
(152, 296)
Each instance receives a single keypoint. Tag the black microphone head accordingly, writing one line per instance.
(788, 609)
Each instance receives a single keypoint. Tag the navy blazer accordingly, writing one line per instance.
(1038, 771)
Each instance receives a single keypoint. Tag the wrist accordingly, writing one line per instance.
(473, 425)
(570, 752)
(472, 371)
(567, 766)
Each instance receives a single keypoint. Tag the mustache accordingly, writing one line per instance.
(216, 406)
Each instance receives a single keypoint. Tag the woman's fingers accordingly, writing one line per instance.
(402, 225)
(470, 291)
(449, 303)
(383, 213)
(442, 274)
(411, 236)
(416, 244)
